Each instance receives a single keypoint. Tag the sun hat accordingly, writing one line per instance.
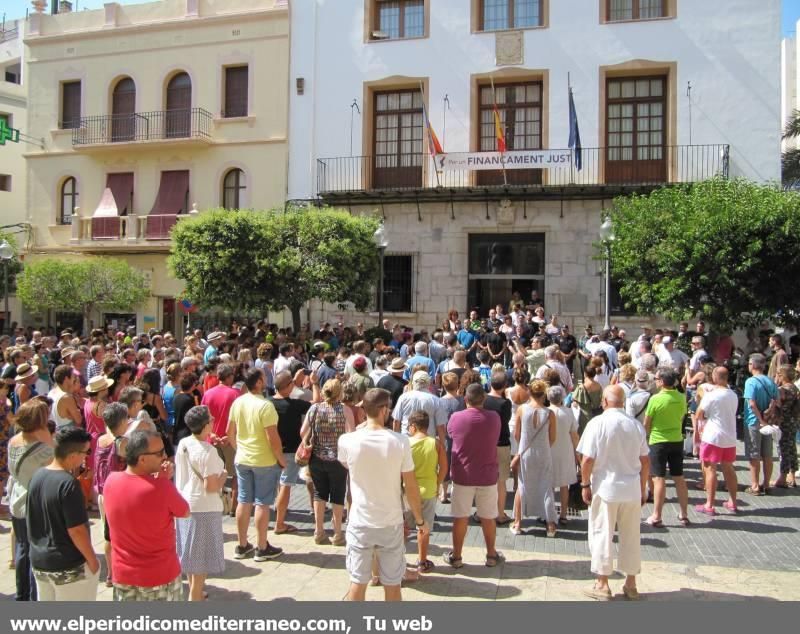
(98, 383)
(398, 365)
(25, 371)
(214, 336)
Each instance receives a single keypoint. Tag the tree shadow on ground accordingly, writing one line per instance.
(693, 594)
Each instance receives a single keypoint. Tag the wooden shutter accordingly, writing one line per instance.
(235, 91)
(70, 104)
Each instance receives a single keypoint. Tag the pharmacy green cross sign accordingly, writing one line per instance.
(8, 134)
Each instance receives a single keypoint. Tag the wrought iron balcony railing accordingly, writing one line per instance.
(651, 166)
(160, 125)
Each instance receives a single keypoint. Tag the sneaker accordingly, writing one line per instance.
(270, 552)
(242, 552)
(730, 506)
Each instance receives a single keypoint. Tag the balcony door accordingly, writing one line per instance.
(398, 140)
(635, 130)
(123, 107)
(179, 107)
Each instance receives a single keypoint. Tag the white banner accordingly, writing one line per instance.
(512, 160)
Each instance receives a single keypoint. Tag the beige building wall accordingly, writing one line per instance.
(150, 43)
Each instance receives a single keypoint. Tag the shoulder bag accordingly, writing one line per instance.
(303, 454)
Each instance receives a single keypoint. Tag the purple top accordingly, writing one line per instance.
(475, 433)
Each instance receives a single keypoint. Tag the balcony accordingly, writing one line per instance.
(125, 233)
(356, 179)
(161, 127)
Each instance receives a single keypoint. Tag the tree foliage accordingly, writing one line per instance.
(249, 261)
(81, 286)
(14, 264)
(725, 250)
(790, 159)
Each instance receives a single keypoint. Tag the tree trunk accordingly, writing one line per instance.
(85, 329)
(295, 318)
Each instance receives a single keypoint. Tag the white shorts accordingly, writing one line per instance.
(485, 499)
(388, 547)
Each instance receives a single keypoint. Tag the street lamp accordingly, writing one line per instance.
(607, 237)
(379, 237)
(6, 253)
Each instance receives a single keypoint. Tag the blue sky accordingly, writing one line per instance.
(16, 8)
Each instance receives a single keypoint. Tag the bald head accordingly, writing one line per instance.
(720, 376)
(613, 396)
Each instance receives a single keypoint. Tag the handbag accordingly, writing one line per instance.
(302, 456)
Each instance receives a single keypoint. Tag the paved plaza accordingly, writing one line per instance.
(753, 555)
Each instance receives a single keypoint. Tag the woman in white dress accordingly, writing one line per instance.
(518, 395)
(536, 433)
(563, 450)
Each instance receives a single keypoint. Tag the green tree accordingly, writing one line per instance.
(14, 265)
(244, 260)
(725, 250)
(81, 286)
(790, 159)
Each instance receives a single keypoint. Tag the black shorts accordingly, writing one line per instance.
(330, 480)
(663, 454)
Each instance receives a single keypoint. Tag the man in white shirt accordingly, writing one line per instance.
(551, 362)
(600, 342)
(716, 416)
(378, 460)
(284, 359)
(669, 357)
(614, 468)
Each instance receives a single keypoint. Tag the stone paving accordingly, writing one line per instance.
(753, 555)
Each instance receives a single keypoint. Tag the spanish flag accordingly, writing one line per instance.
(498, 131)
(434, 147)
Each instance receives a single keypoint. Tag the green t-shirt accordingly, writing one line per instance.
(666, 411)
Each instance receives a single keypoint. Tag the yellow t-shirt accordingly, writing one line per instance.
(426, 459)
(252, 415)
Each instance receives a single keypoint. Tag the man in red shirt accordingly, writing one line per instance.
(218, 400)
(141, 505)
(475, 432)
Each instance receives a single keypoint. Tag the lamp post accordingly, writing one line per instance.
(607, 237)
(379, 237)
(6, 253)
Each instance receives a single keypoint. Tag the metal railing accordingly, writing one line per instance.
(194, 123)
(9, 34)
(673, 164)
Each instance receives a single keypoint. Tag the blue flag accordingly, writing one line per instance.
(574, 133)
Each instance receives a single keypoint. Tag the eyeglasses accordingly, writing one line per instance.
(160, 452)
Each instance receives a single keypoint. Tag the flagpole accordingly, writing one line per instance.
(572, 161)
(428, 129)
(499, 123)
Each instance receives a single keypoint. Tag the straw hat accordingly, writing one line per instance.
(398, 365)
(25, 371)
(98, 383)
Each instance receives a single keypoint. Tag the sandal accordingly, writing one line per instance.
(654, 523)
(451, 560)
(596, 593)
(340, 540)
(322, 539)
(493, 560)
(684, 521)
(288, 529)
(754, 491)
(563, 521)
(502, 522)
(425, 566)
(730, 506)
(702, 508)
(631, 594)
(551, 532)
(515, 530)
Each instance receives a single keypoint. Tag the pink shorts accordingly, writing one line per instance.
(717, 455)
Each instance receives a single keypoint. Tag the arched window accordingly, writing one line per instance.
(179, 106)
(69, 200)
(123, 107)
(233, 186)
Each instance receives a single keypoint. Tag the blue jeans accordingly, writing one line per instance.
(26, 584)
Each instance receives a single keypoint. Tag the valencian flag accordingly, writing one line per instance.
(434, 147)
(574, 133)
(498, 129)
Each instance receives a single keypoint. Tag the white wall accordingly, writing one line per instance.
(728, 49)
(788, 84)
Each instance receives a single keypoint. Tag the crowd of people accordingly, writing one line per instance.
(163, 439)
